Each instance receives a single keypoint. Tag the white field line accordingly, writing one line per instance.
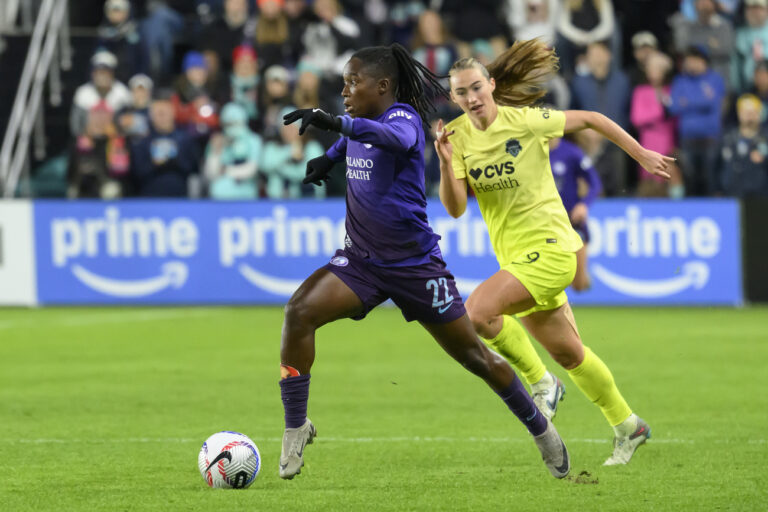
(111, 317)
(415, 439)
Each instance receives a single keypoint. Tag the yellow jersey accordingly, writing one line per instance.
(507, 166)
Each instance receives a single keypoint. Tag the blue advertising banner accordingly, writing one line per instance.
(199, 252)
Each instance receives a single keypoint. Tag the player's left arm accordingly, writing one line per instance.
(653, 162)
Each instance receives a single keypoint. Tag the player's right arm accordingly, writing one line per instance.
(453, 190)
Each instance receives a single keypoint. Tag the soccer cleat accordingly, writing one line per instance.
(624, 446)
(553, 451)
(547, 393)
(292, 454)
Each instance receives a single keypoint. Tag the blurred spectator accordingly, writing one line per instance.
(193, 102)
(244, 82)
(299, 15)
(760, 88)
(655, 129)
(234, 28)
(272, 38)
(133, 120)
(277, 95)
(98, 158)
(232, 157)
(644, 44)
(475, 21)
(102, 87)
(606, 90)
(696, 97)
(306, 90)
(158, 30)
(162, 162)
(329, 41)
(558, 93)
(644, 16)
(744, 170)
(430, 46)
(403, 16)
(119, 34)
(727, 8)
(533, 18)
(285, 163)
(583, 22)
(751, 44)
(709, 30)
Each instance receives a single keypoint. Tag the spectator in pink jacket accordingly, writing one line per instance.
(656, 130)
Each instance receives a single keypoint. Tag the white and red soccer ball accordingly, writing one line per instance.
(229, 460)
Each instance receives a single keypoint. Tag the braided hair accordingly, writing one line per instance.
(413, 82)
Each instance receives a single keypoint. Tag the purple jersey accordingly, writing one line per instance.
(386, 203)
(568, 164)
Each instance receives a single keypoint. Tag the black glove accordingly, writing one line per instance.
(317, 170)
(313, 116)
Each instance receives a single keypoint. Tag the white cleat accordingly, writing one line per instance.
(547, 393)
(292, 454)
(553, 451)
(624, 446)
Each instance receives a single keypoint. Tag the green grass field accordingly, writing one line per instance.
(106, 409)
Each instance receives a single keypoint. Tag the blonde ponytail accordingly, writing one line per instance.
(520, 72)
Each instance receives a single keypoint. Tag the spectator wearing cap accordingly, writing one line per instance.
(605, 89)
(244, 82)
(133, 120)
(163, 161)
(272, 36)
(744, 152)
(644, 44)
(696, 98)
(277, 95)
(751, 44)
(98, 158)
(102, 87)
(285, 163)
(233, 156)
(233, 28)
(475, 21)
(119, 34)
(193, 102)
(709, 30)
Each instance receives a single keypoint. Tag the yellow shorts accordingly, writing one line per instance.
(545, 272)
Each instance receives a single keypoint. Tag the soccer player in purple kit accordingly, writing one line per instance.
(390, 250)
(569, 165)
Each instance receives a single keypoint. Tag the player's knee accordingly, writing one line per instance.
(299, 315)
(568, 359)
(481, 320)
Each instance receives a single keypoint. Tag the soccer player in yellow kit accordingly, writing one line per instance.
(499, 149)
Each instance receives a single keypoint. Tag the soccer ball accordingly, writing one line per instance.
(229, 460)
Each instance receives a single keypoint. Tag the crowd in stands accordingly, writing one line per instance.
(186, 98)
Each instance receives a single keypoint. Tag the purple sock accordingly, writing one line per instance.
(520, 403)
(295, 393)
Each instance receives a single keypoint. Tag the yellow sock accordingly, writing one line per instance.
(512, 342)
(594, 379)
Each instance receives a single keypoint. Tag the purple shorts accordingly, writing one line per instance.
(425, 292)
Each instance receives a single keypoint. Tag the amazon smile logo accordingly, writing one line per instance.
(691, 242)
